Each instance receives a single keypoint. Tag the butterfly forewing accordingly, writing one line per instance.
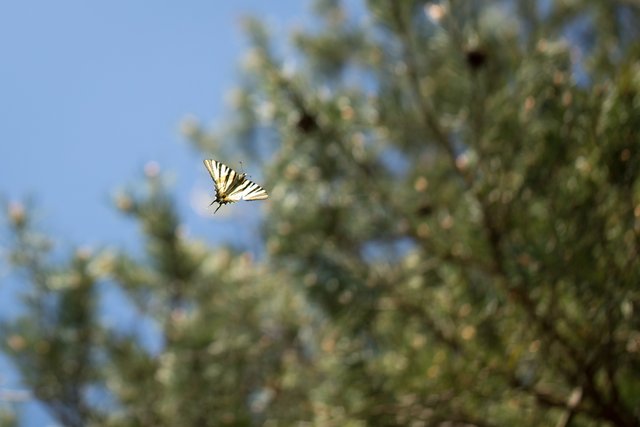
(223, 176)
(248, 190)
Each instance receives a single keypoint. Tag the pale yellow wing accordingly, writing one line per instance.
(248, 190)
(222, 175)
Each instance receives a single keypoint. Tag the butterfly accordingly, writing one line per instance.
(232, 186)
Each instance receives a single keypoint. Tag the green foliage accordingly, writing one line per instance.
(452, 237)
(7, 418)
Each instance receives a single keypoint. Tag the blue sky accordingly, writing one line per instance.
(92, 91)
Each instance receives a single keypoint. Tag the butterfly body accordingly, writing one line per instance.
(232, 186)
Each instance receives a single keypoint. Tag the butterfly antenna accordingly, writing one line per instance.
(242, 168)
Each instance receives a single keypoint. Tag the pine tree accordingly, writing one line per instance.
(452, 237)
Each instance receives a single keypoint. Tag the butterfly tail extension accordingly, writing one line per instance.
(219, 206)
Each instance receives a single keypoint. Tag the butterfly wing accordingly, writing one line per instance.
(223, 177)
(248, 190)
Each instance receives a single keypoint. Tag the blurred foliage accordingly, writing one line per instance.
(452, 237)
